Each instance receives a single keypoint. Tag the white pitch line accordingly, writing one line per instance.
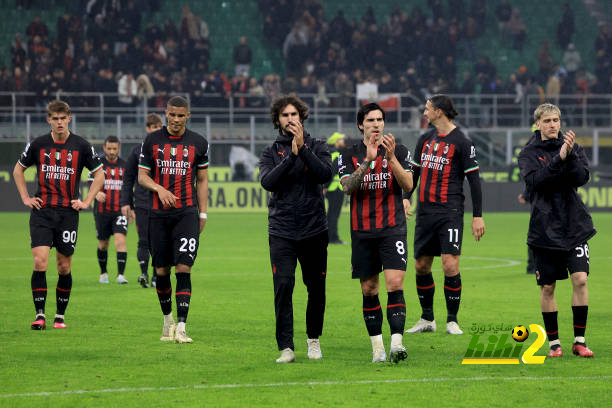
(303, 384)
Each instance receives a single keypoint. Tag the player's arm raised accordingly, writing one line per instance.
(19, 177)
(352, 182)
(403, 177)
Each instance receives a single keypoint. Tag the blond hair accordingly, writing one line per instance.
(545, 109)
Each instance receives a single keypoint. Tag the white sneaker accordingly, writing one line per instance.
(168, 331)
(379, 356)
(103, 278)
(180, 336)
(397, 353)
(423, 326)
(453, 328)
(121, 280)
(314, 349)
(287, 356)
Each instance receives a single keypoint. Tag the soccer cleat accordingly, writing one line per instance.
(423, 326)
(180, 336)
(121, 280)
(143, 279)
(556, 352)
(58, 323)
(103, 278)
(379, 356)
(168, 331)
(39, 323)
(287, 356)
(397, 353)
(314, 349)
(582, 350)
(453, 328)
(154, 282)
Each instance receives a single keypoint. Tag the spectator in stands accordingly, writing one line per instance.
(553, 88)
(256, 94)
(470, 34)
(132, 16)
(544, 61)
(485, 66)
(272, 86)
(62, 28)
(518, 29)
(603, 40)
(127, 89)
(565, 29)
(503, 11)
(603, 66)
(243, 56)
(152, 33)
(105, 55)
(189, 24)
(478, 10)
(144, 88)
(170, 30)
(571, 61)
(37, 28)
(18, 52)
(296, 36)
(98, 32)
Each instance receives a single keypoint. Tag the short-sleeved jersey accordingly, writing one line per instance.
(113, 181)
(59, 166)
(443, 160)
(376, 206)
(173, 162)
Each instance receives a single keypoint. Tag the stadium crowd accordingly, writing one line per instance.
(106, 47)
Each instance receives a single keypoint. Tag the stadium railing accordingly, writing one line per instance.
(495, 123)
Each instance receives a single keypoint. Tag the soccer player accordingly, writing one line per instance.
(59, 157)
(443, 157)
(135, 196)
(333, 191)
(293, 169)
(107, 215)
(553, 166)
(374, 172)
(172, 158)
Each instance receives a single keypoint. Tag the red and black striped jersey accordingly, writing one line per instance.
(59, 166)
(376, 206)
(442, 161)
(172, 161)
(113, 181)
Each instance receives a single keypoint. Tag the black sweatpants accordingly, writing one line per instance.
(312, 255)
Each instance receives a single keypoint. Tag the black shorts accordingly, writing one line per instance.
(370, 256)
(142, 226)
(310, 252)
(108, 224)
(552, 265)
(436, 234)
(174, 238)
(54, 227)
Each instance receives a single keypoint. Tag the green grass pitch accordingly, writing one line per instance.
(111, 355)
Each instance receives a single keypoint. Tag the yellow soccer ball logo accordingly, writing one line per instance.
(520, 333)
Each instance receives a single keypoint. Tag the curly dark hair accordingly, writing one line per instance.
(281, 103)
